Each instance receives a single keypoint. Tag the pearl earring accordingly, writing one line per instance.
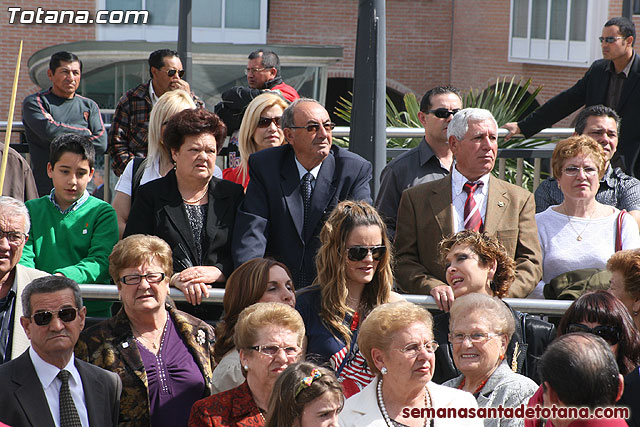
(384, 371)
(246, 367)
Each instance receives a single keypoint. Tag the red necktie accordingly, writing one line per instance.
(472, 217)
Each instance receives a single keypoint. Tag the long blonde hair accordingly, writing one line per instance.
(246, 144)
(331, 263)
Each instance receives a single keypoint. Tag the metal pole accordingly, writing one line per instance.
(626, 9)
(184, 37)
(368, 118)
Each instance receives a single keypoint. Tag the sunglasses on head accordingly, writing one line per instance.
(265, 122)
(610, 334)
(358, 253)
(443, 113)
(43, 318)
(172, 72)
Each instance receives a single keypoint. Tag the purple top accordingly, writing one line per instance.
(175, 380)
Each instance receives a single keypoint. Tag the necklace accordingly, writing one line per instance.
(193, 202)
(142, 339)
(479, 387)
(385, 414)
(579, 238)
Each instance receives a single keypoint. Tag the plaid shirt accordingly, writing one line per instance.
(130, 125)
(616, 189)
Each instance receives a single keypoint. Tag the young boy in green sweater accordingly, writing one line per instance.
(72, 233)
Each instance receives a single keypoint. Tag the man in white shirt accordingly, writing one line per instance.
(47, 375)
(469, 198)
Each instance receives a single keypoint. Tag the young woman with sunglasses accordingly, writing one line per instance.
(354, 276)
(260, 129)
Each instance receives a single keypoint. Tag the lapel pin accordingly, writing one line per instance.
(125, 344)
(501, 204)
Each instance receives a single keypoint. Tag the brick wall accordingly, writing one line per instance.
(35, 37)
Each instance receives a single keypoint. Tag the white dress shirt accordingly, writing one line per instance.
(302, 172)
(459, 197)
(48, 376)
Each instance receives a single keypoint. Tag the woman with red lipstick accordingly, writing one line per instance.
(260, 129)
(163, 356)
(580, 232)
(269, 338)
(397, 342)
(354, 276)
(478, 263)
(480, 329)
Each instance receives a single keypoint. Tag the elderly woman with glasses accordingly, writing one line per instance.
(269, 337)
(354, 276)
(164, 357)
(260, 129)
(580, 232)
(397, 341)
(480, 328)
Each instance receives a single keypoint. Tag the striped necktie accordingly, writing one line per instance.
(472, 217)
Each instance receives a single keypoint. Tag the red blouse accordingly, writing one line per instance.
(230, 408)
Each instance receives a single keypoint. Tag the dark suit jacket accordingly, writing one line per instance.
(591, 89)
(630, 397)
(425, 217)
(23, 402)
(270, 219)
(158, 210)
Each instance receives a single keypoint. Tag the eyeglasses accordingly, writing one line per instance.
(315, 127)
(475, 338)
(574, 170)
(443, 113)
(135, 279)
(43, 318)
(358, 253)
(610, 39)
(272, 350)
(265, 122)
(248, 71)
(172, 72)
(610, 334)
(14, 238)
(414, 349)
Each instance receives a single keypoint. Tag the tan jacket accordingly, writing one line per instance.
(425, 217)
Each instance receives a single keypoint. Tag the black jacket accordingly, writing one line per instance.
(532, 335)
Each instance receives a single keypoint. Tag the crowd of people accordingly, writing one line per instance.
(315, 330)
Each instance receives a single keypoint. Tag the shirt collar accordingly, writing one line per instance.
(458, 180)
(608, 177)
(625, 70)
(75, 205)
(47, 373)
(302, 171)
(152, 94)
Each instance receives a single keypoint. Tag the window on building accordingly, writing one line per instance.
(222, 21)
(562, 32)
(636, 7)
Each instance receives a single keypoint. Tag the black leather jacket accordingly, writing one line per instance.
(532, 335)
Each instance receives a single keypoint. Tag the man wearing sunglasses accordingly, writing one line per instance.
(129, 127)
(430, 160)
(292, 190)
(59, 110)
(14, 230)
(47, 385)
(611, 81)
(468, 198)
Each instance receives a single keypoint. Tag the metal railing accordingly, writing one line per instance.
(533, 306)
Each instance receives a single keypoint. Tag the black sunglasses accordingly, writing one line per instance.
(610, 334)
(315, 127)
(172, 72)
(43, 318)
(265, 122)
(443, 113)
(358, 253)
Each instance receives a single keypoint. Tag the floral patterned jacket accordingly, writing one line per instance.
(111, 345)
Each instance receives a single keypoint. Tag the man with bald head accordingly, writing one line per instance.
(271, 219)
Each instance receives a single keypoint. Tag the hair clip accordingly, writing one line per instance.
(307, 381)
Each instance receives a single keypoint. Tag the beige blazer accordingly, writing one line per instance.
(425, 216)
(24, 276)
